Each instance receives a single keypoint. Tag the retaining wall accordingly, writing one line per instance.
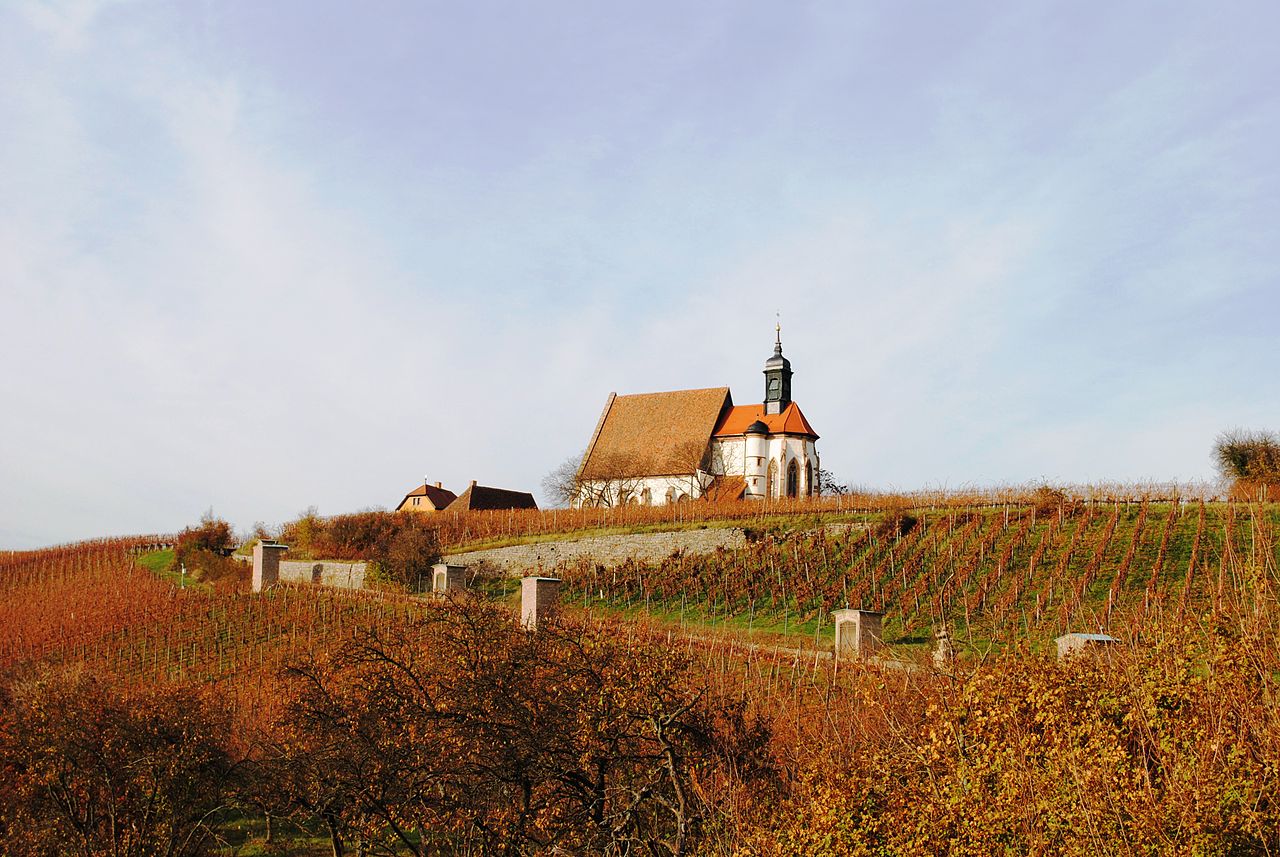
(606, 550)
(344, 575)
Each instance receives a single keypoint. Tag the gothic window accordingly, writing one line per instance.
(793, 479)
(771, 481)
(808, 478)
(647, 497)
(671, 496)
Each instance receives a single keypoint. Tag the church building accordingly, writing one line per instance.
(656, 448)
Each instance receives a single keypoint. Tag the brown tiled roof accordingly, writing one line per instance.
(653, 434)
(482, 498)
(735, 421)
(437, 498)
(727, 488)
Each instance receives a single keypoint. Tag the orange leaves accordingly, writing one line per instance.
(1141, 752)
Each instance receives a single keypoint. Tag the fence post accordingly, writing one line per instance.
(448, 578)
(266, 564)
(539, 600)
(857, 632)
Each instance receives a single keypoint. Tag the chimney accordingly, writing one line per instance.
(437, 484)
(473, 483)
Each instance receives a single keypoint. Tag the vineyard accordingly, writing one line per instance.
(1003, 572)
(307, 721)
(93, 605)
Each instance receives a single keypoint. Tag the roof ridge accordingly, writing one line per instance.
(670, 392)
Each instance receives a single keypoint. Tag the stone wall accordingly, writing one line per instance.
(344, 575)
(606, 550)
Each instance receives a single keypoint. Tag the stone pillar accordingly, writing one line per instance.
(1077, 644)
(943, 653)
(539, 600)
(448, 578)
(266, 565)
(857, 632)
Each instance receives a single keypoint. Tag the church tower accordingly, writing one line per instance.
(777, 378)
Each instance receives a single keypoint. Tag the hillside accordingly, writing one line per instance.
(993, 573)
(405, 725)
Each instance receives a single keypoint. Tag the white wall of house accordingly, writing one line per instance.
(728, 458)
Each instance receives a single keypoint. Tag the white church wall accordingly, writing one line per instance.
(783, 449)
(658, 489)
(728, 456)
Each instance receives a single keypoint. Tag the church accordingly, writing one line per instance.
(657, 448)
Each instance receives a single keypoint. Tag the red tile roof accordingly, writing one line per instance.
(437, 498)
(727, 488)
(653, 434)
(735, 420)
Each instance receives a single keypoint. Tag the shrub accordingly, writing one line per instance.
(1253, 455)
(575, 740)
(92, 768)
(204, 551)
(1047, 500)
(895, 523)
(401, 546)
(1251, 459)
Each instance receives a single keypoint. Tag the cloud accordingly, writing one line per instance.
(248, 268)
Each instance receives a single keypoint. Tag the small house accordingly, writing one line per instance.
(426, 498)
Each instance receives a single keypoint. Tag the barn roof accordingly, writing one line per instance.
(483, 498)
(654, 434)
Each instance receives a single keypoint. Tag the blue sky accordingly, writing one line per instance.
(263, 256)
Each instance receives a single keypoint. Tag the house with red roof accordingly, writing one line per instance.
(656, 448)
(426, 498)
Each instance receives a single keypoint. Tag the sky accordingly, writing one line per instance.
(257, 257)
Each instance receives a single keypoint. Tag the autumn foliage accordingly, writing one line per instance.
(139, 718)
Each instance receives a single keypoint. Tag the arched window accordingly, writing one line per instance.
(671, 495)
(793, 479)
(647, 497)
(771, 480)
(808, 479)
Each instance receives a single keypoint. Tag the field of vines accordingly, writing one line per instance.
(93, 605)
(995, 572)
(1168, 744)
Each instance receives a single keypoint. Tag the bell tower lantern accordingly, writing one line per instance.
(777, 378)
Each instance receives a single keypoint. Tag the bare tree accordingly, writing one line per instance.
(692, 461)
(827, 483)
(560, 486)
(612, 481)
(424, 732)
